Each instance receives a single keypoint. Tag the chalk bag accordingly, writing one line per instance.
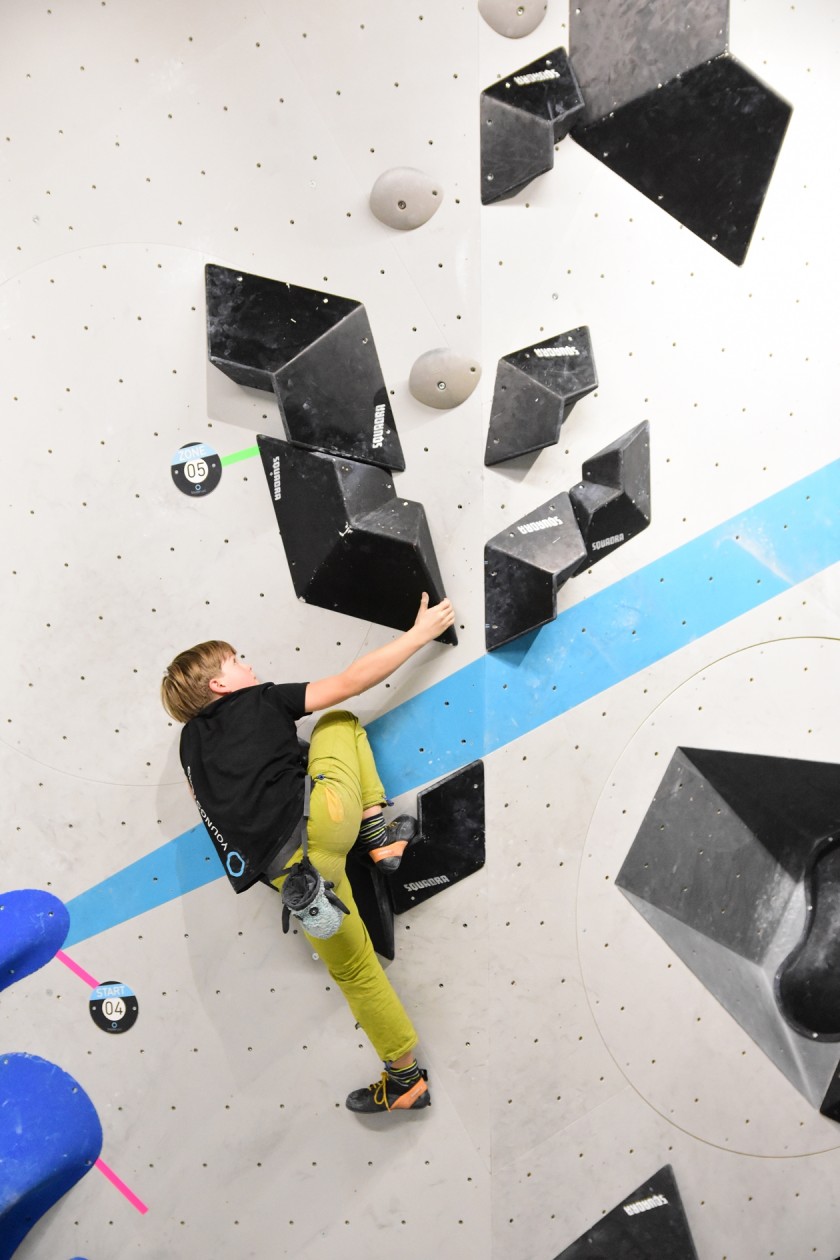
(308, 897)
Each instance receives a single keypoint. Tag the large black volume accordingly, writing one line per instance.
(315, 351)
(351, 543)
(703, 147)
(649, 1225)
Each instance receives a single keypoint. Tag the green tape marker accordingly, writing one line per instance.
(248, 453)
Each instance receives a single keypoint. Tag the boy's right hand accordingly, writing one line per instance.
(431, 622)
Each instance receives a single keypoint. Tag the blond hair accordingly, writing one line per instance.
(185, 689)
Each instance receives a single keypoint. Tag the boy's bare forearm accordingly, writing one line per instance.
(374, 667)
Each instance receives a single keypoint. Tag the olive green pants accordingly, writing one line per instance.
(345, 783)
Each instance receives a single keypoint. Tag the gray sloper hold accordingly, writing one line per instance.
(405, 198)
(524, 567)
(535, 391)
(513, 18)
(443, 379)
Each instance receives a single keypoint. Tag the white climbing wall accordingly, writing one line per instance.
(571, 1054)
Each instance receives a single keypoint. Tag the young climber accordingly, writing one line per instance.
(240, 753)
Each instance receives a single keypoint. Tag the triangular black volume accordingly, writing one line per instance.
(830, 1105)
(450, 843)
(716, 874)
(316, 352)
(789, 805)
(351, 544)
(524, 567)
(702, 147)
(612, 502)
(535, 391)
(373, 901)
(708, 860)
(522, 117)
(255, 325)
(649, 1225)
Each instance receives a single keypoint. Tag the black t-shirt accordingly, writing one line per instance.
(245, 767)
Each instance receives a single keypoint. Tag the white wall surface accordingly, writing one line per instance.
(140, 141)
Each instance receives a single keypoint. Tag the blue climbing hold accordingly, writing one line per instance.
(50, 1136)
(33, 927)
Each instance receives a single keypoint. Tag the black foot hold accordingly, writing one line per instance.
(450, 843)
(523, 116)
(612, 502)
(315, 351)
(650, 1225)
(536, 389)
(524, 567)
(351, 543)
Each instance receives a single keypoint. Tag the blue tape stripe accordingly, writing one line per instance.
(177, 867)
(637, 621)
(630, 625)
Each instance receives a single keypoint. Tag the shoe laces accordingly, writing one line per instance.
(380, 1091)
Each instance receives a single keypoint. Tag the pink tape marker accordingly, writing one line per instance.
(100, 1163)
(77, 970)
(122, 1187)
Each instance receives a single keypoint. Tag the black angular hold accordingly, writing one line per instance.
(702, 146)
(535, 390)
(315, 351)
(524, 567)
(720, 868)
(373, 901)
(612, 502)
(523, 116)
(352, 545)
(450, 841)
(649, 1225)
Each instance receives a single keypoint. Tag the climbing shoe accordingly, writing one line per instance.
(385, 843)
(387, 1095)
